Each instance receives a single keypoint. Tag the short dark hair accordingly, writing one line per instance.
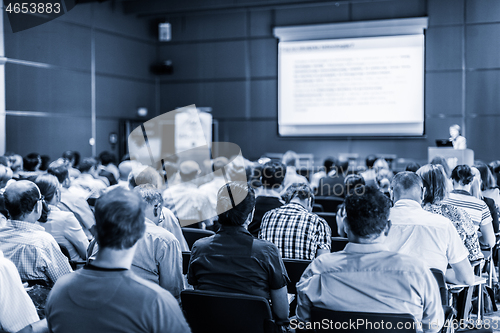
(487, 178)
(21, 198)
(273, 174)
(434, 181)
(302, 191)
(31, 161)
(59, 168)
(231, 212)
(106, 158)
(4, 160)
(48, 185)
(367, 211)
(404, 181)
(352, 182)
(370, 161)
(412, 166)
(119, 216)
(87, 164)
(462, 174)
(329, 163)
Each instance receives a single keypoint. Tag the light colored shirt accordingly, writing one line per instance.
(158, 259)
(90, 184)
(171, 223)
(430, 237)
(292, 177)
(459, 142)
(67, 231)
(34, 251)
(477, 209)
(369, 278)
(78, 205)
(212, 188)
(188, 203)
(16, 308)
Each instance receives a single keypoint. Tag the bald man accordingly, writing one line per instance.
(34, 251)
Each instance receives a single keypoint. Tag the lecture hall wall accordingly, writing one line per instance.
(227, 60)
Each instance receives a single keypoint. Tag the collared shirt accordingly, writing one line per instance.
(93, 186)
(263, 204)
(67, 231)
(16, 308)
(234, 261)
(295, 231)
(78, 206)
(368, 277)
(430, 237)
(34, 251)
(171, 223)
(477, 209)
(188, 203)
(158, 259)
(112, 300)
(211, 189)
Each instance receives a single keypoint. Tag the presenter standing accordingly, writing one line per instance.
(458, 141)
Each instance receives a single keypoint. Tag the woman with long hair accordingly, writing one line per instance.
(435, 185)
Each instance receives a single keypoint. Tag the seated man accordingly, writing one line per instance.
(269, 198)
(89, 179)
(106, 296)
(298, 233)
(366, 276)
(33, 250)
(158, 256)
(291, 159)
(16, 308)
(70, 200)
(422, 234)
(233, 260)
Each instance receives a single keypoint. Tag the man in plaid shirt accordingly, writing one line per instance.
(33, 250)
(298, 233)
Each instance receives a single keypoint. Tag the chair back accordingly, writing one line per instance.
(210, 311)
(366, 322)
(295, 268)
(192, 235)
(338, 244)
(443, 290)
(186, 256)
(329, 204)
(317, 208)
(331, 219)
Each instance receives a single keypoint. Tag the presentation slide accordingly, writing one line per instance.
(355, 86)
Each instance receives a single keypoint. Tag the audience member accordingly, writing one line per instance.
(74, 159)
(351, 183)
(16, 308)
(298, 233)
(425, 235)
(16, 165)
(333, 183)
(269, 198)
(158, 255)
(188, 203)
(370, 175)
(291, 160)
(233, 260)
(434, 182)
(108, 168)
(328, 165)
(171, 167)
(366, 276)
(34, 251)
(105, 296)
(212, 187)
(31, 163)
(490, 192)
(412, 166)
(442, 161)
(62, 225)
(71, 201)
(89, 179)
(461, 197)
(45, 160)
(5, 176)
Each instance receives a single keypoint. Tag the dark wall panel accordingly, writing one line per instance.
(443, 93)
(261, 23)
(334, 12)
(443, 48)
(482, 46)
(264, 99)
(482, 11)
(484, 139)
(377, 10)
(445, 12)
(104, 128)
(264, 57)
(48, 90)
(483, 89)
(48, 135)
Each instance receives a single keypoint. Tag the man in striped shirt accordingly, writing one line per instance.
(298, 233)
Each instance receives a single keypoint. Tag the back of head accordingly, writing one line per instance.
(290, 158)
(442, 161)
(273, 174)
(4, 160)
(352, 182)
(107, 158)
(150, 194)
(370, 160)
(16, 162)
(69, 155)
(31, 161)
(381, 164)
(87, 164)
(189, 170)
(488, 181)
(45, 160)
(119, 216)
(434, 182)
(21, 198)
(229, 213)
(462, 174)
(48, 185)
(406, 185)
(342, 166)
(147, 176)
(367, 212)
(5, 175)
(412, 166)
(219, 163)
(329, 163)
(298, 190)
(59, 168)
(125, 169)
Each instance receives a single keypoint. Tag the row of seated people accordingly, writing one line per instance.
(295, 231)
